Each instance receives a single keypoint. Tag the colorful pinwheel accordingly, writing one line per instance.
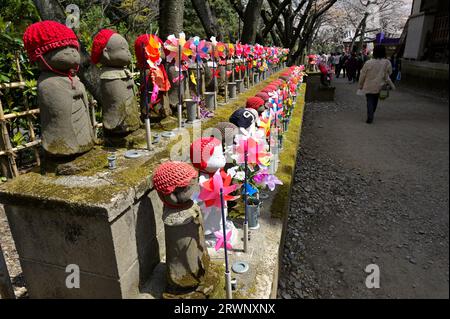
(153, 51)
(239, 50)
(267, 180)
(265, 123)
(220, 242)
(256, 151)
(173, 45)
(218, 48)
(210, 189)
(231, 50)
(200, 48)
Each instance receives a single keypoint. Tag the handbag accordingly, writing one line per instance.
(384, 93)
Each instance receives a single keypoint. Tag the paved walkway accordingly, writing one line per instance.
(370, 194)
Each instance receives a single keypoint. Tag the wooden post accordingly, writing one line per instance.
(29, 117)
(8, 162)
(6, 289)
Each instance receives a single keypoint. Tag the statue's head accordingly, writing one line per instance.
(110, 49)
(176, 183)
(52, 45)
(207, 154)
(244, 118)
(265, 97)
(63, 59)
(228, 131)
(256, 103)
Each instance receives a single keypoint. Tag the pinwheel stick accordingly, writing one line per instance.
(226, 75)
(214, 75)
(245, 197)
(148, 132)
(224, 229)
(198, 81)
(180, 93)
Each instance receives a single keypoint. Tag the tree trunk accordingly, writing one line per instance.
(251, 21)
(207, 18)
(88, 72)
(171, 14)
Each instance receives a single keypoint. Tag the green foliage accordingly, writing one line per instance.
(12, 26)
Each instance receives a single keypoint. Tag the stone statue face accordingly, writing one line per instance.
(116, 53)
(217, 160)
(182, 195)
(62, 59)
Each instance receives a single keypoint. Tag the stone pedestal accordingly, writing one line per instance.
(104, 222)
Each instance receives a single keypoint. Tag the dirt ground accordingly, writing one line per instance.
(370, 194)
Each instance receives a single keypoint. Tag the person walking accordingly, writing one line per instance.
(352, 66)
(396, 67)
(374, 75)
(336, 62)
(343, 62)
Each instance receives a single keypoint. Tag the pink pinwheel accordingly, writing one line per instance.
(210, 190)
(256, 151)
(220, 241)
(239, 49)
(266, 179)
(258, 49)
(247, 50)
(172, 45)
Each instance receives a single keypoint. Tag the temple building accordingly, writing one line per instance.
(425, 54)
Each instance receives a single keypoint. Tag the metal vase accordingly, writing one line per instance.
(191, 107)
(253, 212)
(210, 100)
(232, 90)
(240, 86)
(256, 77)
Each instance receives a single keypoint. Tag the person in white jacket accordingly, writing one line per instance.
(374, 75)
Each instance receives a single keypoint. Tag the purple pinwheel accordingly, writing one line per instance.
(266, 179)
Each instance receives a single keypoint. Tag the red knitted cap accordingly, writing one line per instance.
(139, 47)
(100, 42)
(45, 36)
(254, 103)
(171, 175)
(269, 88)
(201, 151)
(263, 95)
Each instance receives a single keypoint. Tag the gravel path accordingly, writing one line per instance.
(11, 257)
(370, 194)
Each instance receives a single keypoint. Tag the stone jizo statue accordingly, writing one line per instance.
(186, 255)
(66, 126)
(207, 155)
(119, 103)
